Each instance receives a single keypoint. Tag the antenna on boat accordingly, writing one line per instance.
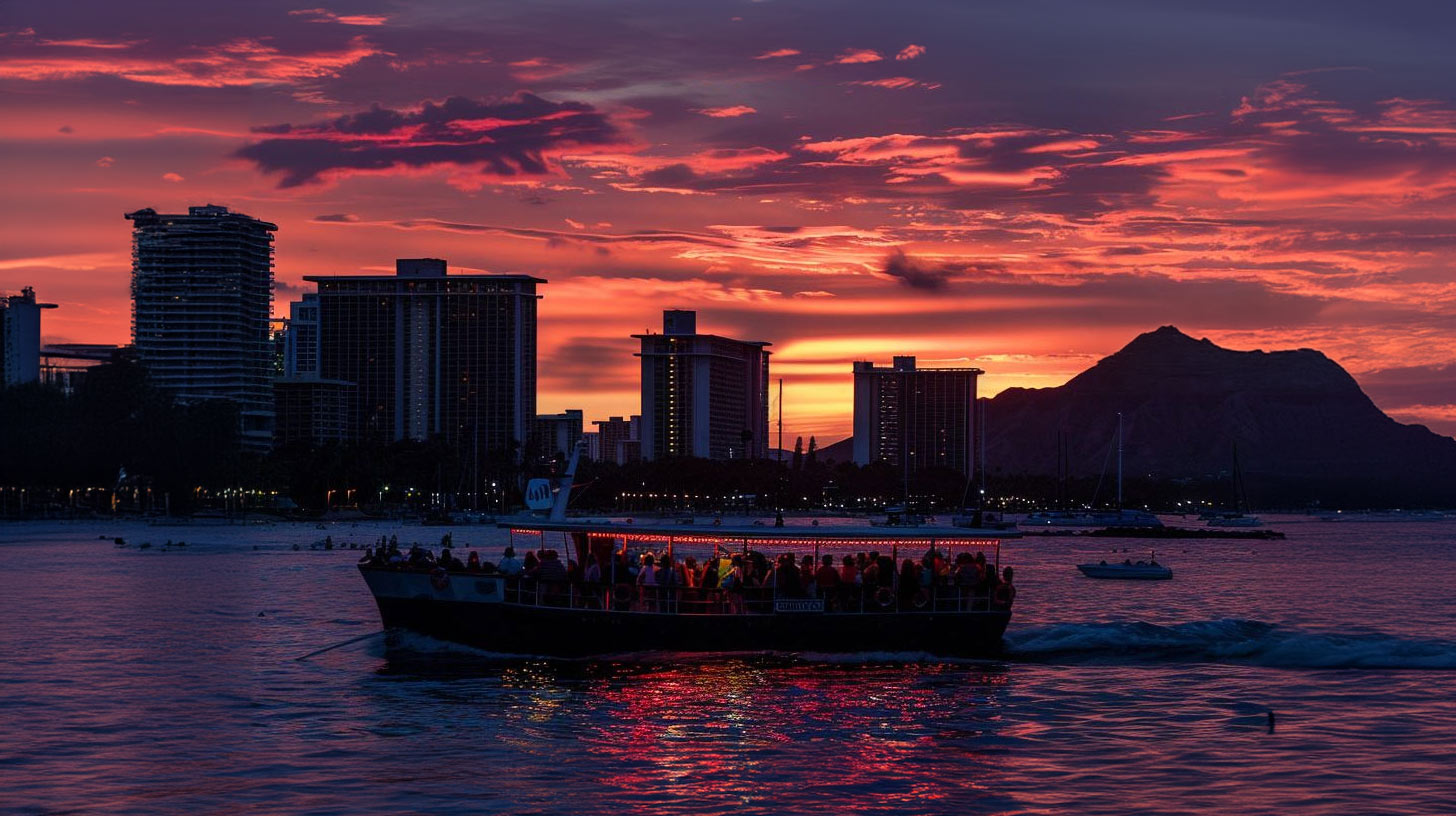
(563, 491)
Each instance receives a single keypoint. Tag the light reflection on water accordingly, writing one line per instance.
(147, 682)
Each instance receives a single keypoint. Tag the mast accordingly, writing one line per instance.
(1119, 461)
(1241, 490)
(982, 451)
(781, 420)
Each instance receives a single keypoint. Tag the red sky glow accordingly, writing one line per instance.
(1019, 189)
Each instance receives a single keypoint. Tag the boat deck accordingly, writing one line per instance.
(789, 533)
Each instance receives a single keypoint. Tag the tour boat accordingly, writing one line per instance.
(615, 614)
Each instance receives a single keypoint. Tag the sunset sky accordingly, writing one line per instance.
(1020, 186)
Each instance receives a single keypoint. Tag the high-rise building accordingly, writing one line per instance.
(301, 338)
(431, 354)
(202, 293)
(557, 434)
(702, 395)
(313, 410)
(618, 440)
(20, 338)
(915, 418)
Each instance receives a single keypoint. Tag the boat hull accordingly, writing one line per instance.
(1126, 573)
(462, 613)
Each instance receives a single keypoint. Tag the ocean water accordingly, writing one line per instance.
(175, 681)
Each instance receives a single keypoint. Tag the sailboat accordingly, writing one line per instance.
(1122, 517)
(979, 517)
(1061, 516)
(1239, 517)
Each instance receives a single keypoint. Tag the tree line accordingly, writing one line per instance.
(119, 431)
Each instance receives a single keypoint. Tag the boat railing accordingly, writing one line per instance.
(678, 600)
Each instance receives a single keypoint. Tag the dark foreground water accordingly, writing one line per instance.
(168, 682)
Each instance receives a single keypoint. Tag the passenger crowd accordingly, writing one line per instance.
(650, 581)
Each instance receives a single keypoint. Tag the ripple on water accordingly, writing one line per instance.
(153, 687)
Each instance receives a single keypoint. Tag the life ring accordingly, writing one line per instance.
(439, 578)
(921, 599)
(622, 594)
(884, 597)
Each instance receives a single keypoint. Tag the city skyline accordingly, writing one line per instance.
(847, 185)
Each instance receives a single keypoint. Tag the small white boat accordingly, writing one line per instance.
(1231, 520)
(1127, 570)
(1061, 518)
(1127, 518)
(983, 520)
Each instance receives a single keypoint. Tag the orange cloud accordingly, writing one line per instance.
(728, 112)
(536, 69)
(241, 62)
(896, 83)
(776, 54)
(320, 15)
(855, 56)
(103, 45)
(910, 52)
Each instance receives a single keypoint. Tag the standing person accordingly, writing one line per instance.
(509, 564)
(870, 573)
(909, 582)
(647, 583)
(708, 585)
(648, 574)
(826, 580)
(1005, 592)
(730, 581)
(849, 584)
(667, 583)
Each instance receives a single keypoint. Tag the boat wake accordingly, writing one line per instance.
(1243, 642)
(1231, 641)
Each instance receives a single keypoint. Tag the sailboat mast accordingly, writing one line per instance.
(1119, 460)
(983, 454)
(781, 420)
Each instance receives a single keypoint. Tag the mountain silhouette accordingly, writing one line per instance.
(1304, 430)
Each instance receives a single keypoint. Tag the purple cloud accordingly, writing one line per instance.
(508, 138)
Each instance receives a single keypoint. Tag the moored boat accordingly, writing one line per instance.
(1127, 570)
(1230, 519)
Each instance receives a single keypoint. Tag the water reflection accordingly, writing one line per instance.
(166, 683)
(717, 734)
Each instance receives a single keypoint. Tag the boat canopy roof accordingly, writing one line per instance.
(809, 534)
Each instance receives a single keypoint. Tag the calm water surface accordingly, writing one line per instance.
(168, 682)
